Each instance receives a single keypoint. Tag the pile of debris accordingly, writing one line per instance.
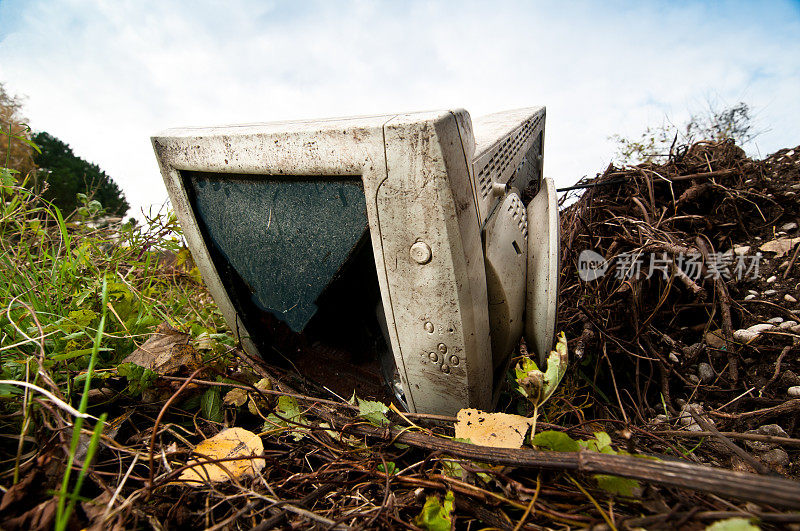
(680, 287)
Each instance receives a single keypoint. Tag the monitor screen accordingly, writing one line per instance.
(280, 239)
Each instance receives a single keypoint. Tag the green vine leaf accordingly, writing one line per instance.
(436, 516)
(287, 408)
(538, 386)
(556, 441)
(373, 412)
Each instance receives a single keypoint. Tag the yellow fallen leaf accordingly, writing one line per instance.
(232, 442)
(780, 246)
(499, 430)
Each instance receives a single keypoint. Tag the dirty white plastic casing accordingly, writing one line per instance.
(426, 208)
(543, 270)
(506, 257)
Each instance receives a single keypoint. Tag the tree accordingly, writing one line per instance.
(68, 175)
(731, 123)
(14, 154)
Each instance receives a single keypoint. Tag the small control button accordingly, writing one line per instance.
(442, 348)
(446, 368)
(454, 361)
(434, 357)
(420, 253)
(429, 327)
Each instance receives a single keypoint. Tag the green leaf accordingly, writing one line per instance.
(288, 409)
(139, 378)
(373, 412)
(7, 177)
(557, 363)
(556, 441)
(8, 391)
(538, 386)
(733, 524)
(617, 485)
(211, 405)
(524, 367)
(434, 515)
(78, 320)
(455, 470)
(77, 353)
(603, 440)
(388, 469)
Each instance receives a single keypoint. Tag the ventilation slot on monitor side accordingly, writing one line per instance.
(504, 161)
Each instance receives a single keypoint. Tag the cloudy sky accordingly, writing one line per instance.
(104, 75)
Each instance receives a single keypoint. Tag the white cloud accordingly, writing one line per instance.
(103, 76)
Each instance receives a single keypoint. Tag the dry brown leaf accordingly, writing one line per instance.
(232, 442)
(256, 403)
(499, 430)
(236, 397)
(165, 352)
(780, 246)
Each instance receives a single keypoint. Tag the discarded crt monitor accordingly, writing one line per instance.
(405, 252)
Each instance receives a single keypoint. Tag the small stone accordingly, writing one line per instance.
(780, 233)
(715, 338)
(775, 320)
(794, 391)
(741, 250)
(796, 186)
(706, 372)
(761, 327)
(752, 292)
(787, 324)
(749, 297)
(789, 298)
(746, 335)
(674, 358)
(784, 265)
(694, 379)
(661, 419)
(773, 430)
(775, 457)
(789, 226)
(770, 292)
(772, 279)
(685, 418)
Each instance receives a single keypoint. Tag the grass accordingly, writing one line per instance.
(77, 295)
